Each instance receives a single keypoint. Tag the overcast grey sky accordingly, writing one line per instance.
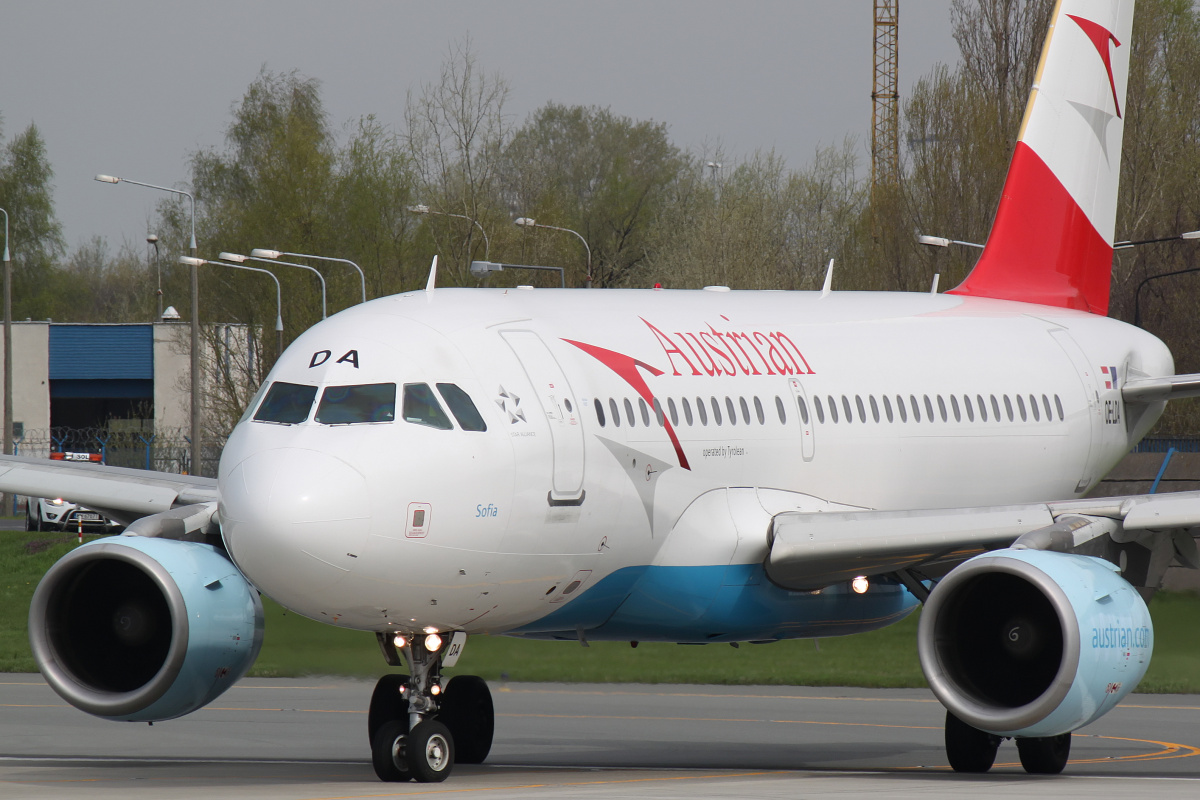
(132, 87)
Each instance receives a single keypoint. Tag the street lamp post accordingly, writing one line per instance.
(941, 241)
(260, 253)
(8, 358)
(237, 258)
(152, 239)
(195, 358)
(529, 222)
(480, 269)
(424, 209)
(199, 262)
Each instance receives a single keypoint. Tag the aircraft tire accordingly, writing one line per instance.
(429, 751)
(467, 711)
(969, 749)
(1045, 755)
(388, 752)
(387, 705)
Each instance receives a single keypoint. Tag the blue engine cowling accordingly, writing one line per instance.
(144, 629)
(1033, 643)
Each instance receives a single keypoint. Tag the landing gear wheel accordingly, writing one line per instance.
(429, 751)
(388, 752)
(1045, 755)
(388, 704)
(466, 710)
(970, 749)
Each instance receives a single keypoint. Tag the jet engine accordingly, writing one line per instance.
(144, 629)
(1033, 643)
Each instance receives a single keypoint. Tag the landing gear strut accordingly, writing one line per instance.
(420, 727)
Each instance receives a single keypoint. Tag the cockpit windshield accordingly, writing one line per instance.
(346, 405)
(286, 403)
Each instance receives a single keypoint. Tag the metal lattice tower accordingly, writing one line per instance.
(885, 97)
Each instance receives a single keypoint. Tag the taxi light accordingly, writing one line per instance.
(433, 642)
(860, 585)
(400, 641)
(435, 690)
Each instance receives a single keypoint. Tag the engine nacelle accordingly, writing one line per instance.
(144, 629)
(1032, 642)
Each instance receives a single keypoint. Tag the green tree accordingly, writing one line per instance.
(373, 186)
(269, 187)
(755, 224)
(592, 171)
(26, 193)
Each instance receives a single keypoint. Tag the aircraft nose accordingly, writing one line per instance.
(294, 517)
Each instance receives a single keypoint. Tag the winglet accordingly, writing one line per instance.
(1051, 241)
(432, 275)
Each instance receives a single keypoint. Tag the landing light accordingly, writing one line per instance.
(400, 641)
(433, 642)
(860, 585)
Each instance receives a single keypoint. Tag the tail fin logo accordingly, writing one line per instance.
(1100, 38)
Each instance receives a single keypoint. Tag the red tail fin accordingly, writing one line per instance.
(1051, 241)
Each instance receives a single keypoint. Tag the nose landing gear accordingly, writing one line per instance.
(417, 727)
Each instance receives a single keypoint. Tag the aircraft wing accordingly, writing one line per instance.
(123, 494)
(1172, 387)
(810, 551)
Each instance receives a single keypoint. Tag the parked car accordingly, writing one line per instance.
(56, 514)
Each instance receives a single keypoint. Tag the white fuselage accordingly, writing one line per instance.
(577, 497)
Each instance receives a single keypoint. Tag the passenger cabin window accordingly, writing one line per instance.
(599, 411)
(421, 407)
(349, 405)
(463, 408)
(288, 403)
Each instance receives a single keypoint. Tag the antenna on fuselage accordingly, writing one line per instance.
(432, 275)
(828, 280)
(937, 276)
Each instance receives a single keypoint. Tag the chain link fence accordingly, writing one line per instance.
(134, 447)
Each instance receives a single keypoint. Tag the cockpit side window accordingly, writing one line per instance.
(252, 406)
(286, 403)
(347, 405)
(421, 407)
(461, 407)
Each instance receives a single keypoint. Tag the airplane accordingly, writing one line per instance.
(697, 467)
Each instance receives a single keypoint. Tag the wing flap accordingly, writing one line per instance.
(127, 493)
(812, 550)
(809, 551)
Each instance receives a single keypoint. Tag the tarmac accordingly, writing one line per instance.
(306, 739)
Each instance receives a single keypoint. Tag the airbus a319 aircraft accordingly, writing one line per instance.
(681, 466)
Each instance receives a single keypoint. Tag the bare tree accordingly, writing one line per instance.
(456, 132)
